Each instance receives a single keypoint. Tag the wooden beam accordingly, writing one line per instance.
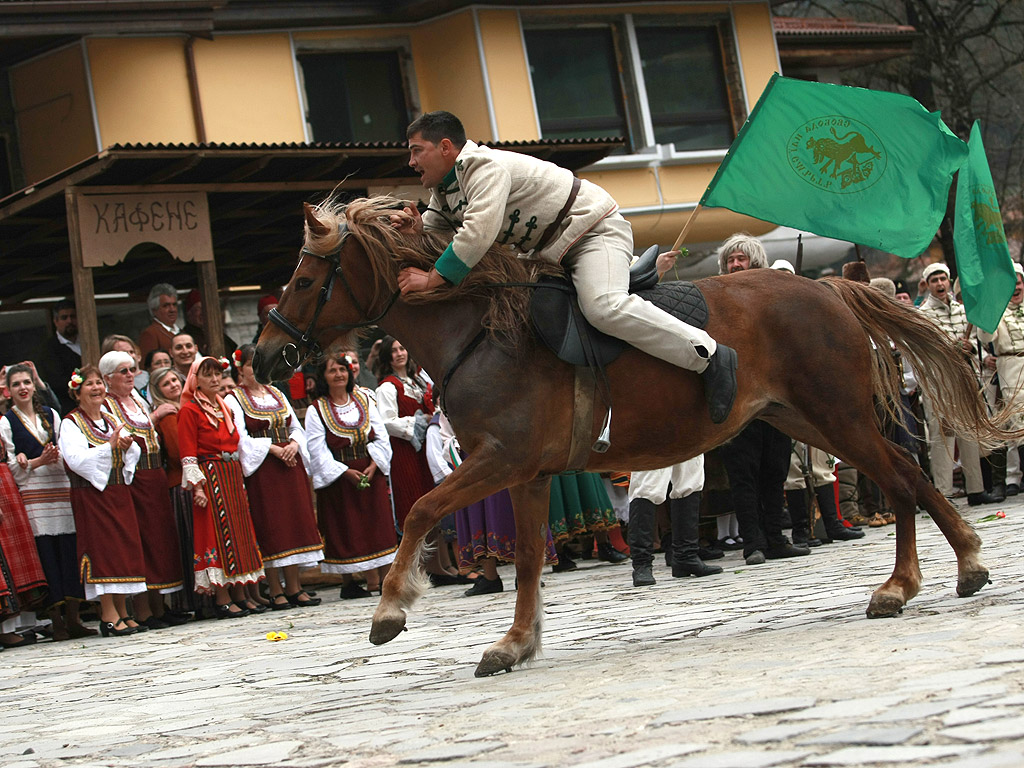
(212, 314)
(85, 294)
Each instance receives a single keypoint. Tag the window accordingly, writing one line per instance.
(354, 96)
(576, 83)
(651, 80)
(685, 86)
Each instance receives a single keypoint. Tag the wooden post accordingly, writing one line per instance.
(213, 318)
(85, 294)
(686, 228)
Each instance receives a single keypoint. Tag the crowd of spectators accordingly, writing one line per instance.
(163, 485)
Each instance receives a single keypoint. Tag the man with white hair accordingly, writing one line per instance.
(757, 459)
(949, 314)
(163, 308)
(1007, 360)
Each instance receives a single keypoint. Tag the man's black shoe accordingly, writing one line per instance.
(976, 499)
(842, 533)
(720, 383)
(1012, 489)
(643, 576)
(785, 550)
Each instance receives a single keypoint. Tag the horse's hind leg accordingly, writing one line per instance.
(971, 574)
(522, 641)
(471, 481)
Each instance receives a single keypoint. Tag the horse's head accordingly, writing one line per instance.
(338, 287)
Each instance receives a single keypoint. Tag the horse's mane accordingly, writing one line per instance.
(390, 250)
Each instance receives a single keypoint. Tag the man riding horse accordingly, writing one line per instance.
(489, 195)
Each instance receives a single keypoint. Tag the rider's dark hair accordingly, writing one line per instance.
(434, 126)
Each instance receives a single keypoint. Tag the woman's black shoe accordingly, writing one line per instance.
(110, 629)
(442, 579)
(174, 619)
(140, 627)
(353, 591)
(154, 623)
(609, 554)
(256, 607)
(276, 606)
(308, 603)
(225, 612)
(564, 564)
(483, 586)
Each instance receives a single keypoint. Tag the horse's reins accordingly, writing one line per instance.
(307, 340)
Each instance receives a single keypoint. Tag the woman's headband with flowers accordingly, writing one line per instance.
(76, 379)
(225, 364)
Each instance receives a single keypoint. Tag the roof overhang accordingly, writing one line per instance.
(255, 194)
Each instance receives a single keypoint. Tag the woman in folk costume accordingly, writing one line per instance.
(350, 457)
(29, 431)
(405, 402)
(226, 554)
(165, 385)
(148, 489)
(101, 457)
(272, 447)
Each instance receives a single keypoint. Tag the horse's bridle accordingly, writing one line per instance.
(307, 343)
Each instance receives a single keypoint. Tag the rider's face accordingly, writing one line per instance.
(431, 161)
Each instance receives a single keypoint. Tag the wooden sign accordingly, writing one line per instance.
(111, 225)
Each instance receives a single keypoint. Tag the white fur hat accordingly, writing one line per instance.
(1018, 268)
(931, 269)
(784, 265)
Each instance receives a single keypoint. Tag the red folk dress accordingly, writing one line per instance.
(399, 400)
(357, 524)
(110, 554)
(24, 577)
(280, 500)
(223, 538)
(152, 503)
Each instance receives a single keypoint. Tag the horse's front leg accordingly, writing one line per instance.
(473, 480)
(522, 642)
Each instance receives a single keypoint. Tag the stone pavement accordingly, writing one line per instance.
(771, 665)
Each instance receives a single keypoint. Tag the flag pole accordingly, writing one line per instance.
(686, 228)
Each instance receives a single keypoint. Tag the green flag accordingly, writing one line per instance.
(983, 259)
(870, 167)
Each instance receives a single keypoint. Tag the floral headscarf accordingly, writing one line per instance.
(192, 392)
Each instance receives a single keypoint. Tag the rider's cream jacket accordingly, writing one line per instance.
(492, 195)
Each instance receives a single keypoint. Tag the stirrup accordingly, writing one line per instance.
(604, 441)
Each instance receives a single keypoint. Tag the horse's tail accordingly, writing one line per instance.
(939, 365)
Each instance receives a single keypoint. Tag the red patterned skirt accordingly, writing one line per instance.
(109, 546)
(282, 513)
(25, 576)
(357, 526)
(410, 478)
(225, 543)
(159, 531)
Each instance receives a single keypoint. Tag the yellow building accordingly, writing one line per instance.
(675, 80)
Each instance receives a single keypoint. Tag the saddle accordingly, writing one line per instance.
(558, 322)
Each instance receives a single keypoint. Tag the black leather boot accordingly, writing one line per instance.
(641, 541)
(834, 529)
(685, 513)
(796, 500)
(720, 383)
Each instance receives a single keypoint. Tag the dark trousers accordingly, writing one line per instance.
(757, 462)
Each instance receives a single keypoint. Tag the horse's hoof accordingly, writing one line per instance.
(387, 629)
(969, 583)
(493, 662)
(884, 606)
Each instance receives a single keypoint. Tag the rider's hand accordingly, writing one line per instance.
(412, 280)
(666, 261)
(408, 220)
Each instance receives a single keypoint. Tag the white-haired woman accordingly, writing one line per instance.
(148, 489)
(101, 458)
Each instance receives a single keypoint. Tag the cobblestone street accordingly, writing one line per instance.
(770, 665)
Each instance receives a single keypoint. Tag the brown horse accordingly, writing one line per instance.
(806, 366)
